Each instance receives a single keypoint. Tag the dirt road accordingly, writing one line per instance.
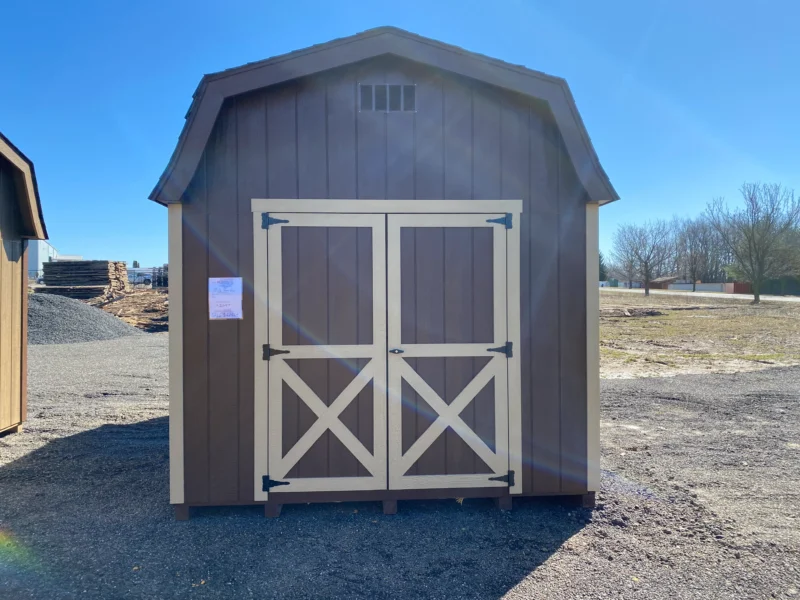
(704, 295)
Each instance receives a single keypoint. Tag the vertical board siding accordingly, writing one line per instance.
(281, 134)
(429, 138)
(399, 145)
(486, 151)
(251, 152)
(371, 143)
(223, 338)
(457, 140)
(307, 139)
(341, 137)
(572, 305)
(544, 304)
(312, 152)
(195, 338)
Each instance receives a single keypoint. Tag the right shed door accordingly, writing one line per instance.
(448, 352)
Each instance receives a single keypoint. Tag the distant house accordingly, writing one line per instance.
(662, 283)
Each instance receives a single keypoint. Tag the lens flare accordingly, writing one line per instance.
(13, 554)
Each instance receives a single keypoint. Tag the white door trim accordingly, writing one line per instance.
(277, 466)
(447, 415)
(295, 205)
(260, 370)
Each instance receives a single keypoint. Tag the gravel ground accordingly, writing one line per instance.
(700, 500)
(59, 320)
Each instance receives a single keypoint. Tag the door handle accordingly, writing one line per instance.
(396, 351)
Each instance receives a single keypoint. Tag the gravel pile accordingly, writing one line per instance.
(59, 320)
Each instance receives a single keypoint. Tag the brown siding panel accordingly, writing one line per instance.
(341, 138)
(312, 163)
(282, 143)
(371, 154)
(457, 140)
(195, 338)
(544, 311)
(486, 145)
(572, 294)
(223, 340)
(429, 138)
(251, 141)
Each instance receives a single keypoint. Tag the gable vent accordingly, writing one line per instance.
(387, 97)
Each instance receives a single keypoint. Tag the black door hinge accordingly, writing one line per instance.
(267, 483)
(508, 478)
(271, 352)
(507, 220)
(506, 349)
(266, 221)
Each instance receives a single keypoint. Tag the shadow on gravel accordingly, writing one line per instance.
(88, 515)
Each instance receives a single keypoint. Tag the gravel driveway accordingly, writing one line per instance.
(700, 500)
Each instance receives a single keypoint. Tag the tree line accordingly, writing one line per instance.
(754, 243)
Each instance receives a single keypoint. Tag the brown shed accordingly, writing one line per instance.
(414, 230)
(20, 220)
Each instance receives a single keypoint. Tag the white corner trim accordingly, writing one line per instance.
(593, 347)
(385, 206)
(176, 448)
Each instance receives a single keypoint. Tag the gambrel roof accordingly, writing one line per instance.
(216, 87)
(27, 190)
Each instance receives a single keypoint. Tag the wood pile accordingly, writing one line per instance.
(85, 279)
(79, 292)
(147, 310)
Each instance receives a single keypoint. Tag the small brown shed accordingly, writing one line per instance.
(383, 280)
(20, 220)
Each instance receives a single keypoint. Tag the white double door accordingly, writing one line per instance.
(386, 341)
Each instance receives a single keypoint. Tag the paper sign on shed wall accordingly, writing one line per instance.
(225, 298)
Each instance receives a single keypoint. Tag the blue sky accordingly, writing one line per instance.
(683, 100)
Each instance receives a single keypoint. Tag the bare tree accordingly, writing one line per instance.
(694, 248)
(761, 236)
(647, 249)
(623, 271)
(624, 266)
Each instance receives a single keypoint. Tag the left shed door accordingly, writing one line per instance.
(326, 330)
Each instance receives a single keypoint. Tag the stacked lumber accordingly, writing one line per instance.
(85, 279)
(79, 292)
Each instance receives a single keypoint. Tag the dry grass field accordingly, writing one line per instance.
(660, 336)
